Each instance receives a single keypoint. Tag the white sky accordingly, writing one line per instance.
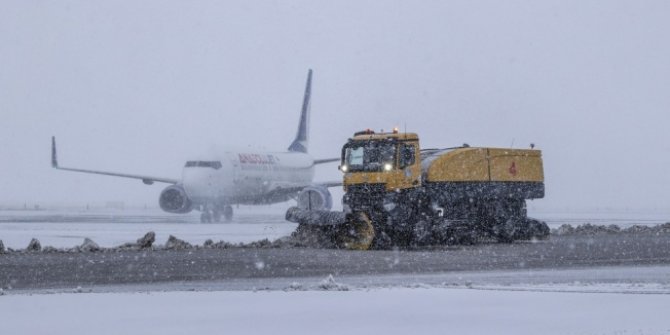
(140, 87)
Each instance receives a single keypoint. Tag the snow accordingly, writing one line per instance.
(66, 229)
(605, 216)
(110, 228)
(376, 311)
(591, 300)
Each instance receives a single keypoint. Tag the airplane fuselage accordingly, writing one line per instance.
(246, 177)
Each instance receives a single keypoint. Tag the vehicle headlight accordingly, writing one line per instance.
(343, 168)
(388, 167)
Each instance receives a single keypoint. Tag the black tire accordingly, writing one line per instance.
(538, 229)
(228, 212)
(506, 230)
(460, 237)
(382, 242)
(422, 234)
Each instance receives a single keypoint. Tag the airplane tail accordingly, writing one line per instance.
(301, 138)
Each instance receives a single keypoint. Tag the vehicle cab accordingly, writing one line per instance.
(388, 161)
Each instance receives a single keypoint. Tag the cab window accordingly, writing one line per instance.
(407, 155)
(368, 156)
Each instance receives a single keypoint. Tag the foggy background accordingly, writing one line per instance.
(140, 87)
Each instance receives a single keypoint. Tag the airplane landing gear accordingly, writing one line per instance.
(206, 216)
(228, 212)
(210, 214)
(216, 215)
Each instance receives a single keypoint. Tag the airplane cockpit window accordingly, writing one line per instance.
(210, 164)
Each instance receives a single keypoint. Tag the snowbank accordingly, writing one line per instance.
(590, 229)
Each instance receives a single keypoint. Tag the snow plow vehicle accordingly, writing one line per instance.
(399, 195)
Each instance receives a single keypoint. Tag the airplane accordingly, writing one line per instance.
(212, 186)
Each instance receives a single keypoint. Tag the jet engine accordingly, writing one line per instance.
(315, 197)
(173, 199)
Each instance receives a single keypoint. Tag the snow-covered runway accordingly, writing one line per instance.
(110, 228)
(377, 311)
(514, 299)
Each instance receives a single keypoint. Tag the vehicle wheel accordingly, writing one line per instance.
(382, 241)
(460, 237)
(507, 230)
(538, 229)
(422, 234)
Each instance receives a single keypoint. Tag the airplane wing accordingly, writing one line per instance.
(329, 184)
(327, 160)
(145, 179)
(281, 191)
(295, 188)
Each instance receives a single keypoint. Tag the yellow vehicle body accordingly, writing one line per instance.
(486, 164)
(456, 165)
